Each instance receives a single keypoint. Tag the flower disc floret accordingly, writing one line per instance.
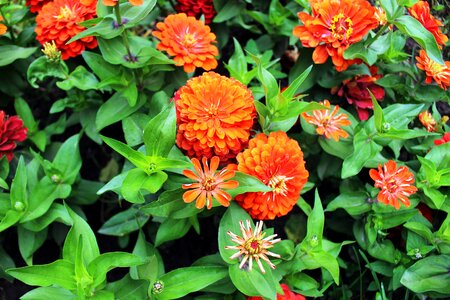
(59, 20)
(396, 184)
(189, 40)
(214, 116)
(278, 162)
(253, 245)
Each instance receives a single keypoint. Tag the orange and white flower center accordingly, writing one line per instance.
(64, 13)
(391, 185)
(341, 27)
(209, 184)
(253, 245)
(278, 184)
(189, 40)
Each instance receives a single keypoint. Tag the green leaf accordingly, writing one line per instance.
(354, 203)
(128, 289)
(316, 221)
(413, 28)
(247, 183)
(429, 274)
(170, 204)
(104, 263)
(105, 28)
(137, 179)
(29, 242)
(237, 65)
(136, 13)
(60, 272)
(124, 222)
(68, 160)
(19, 185)
(154, 267)
(56, 212)
(99, 66)
(160, 132)
(49, 293)
(25, 113)
(377, 113)
(135, 157)
(253, 283)
(182, 281)
(171, 229)
(80, 229)
(10, 218)
(81, 79)
(10, 53)
(421, 229)
(229, 10)
(295, 85)
(390, 7)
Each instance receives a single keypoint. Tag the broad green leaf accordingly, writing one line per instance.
(154, 267)
(247, 183)
(294, 86)
(10, 218)
(253, 283)
(228, 11)
(377, 113)
(10, 53)
(137, 179)
(171, 229)
(19, 193)
(80, 78)
(135, 157)
(105, 28)
(170, 204)
(160, 132)
(136, 13)
(42, 68)
(68, 160)
(390, 7)
(421, 229)
(124, 222)
(50, 293)
(237, 65)
(25, 113)
(56, 212)
(354, 203)
(316, 221)
(128, 289)
(60, 272)
(182, 281)
(99, 66)
(429, 274)
(29, 242)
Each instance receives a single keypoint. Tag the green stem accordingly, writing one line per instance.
(124, 32)
(379, 32)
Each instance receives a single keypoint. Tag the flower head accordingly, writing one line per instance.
(356, 90)
(428, 121)
(333, 26)
(278, 162)
(421, 12)
(380, 14)
(36, 5)
(445, 139)
(113, 2)
(190, 41)
(288, 295)
(208, 185)
(51, 51)
(197, 8)
(435, 71)
(253, 246)
(396, 184)
(59, 20)
(11, 131)
(214, 116)
(328, 122)
(3, 27)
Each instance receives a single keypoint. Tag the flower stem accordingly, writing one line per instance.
(124, 32)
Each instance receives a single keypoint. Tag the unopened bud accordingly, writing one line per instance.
(51, 51)
(158, 287)
(19, 206)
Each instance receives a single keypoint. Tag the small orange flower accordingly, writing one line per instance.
(328, 124)
(395, 184)
(214, 116)
(333, 26)
(428, 121)
(421, 12)
(59, 20)
(253, 246)
(3, 27)
(36, 5)
(380, 14)
(190, 41)
(278, 162)
(209, 185)
(435, 71)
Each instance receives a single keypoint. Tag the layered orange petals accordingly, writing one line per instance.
(396, 184)
(208, 185)
(328, 124)
(190, 41)
(278, 162)
(421, 12)
(3, 27)
(439, 73)
(59, 21)
(36, 5)
(427, 121)
(214, 116)
(333, 26)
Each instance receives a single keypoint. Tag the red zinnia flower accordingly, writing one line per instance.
(189, 40)
(427, 121)
(333, 27)
(58, 21)
(36, 5)
(421, 12)
(445, 139)
(328, 124)
(288, 295)
(196, 8)
(437, 72)
(395, 184)
(11, 131)
(214, 116)
(209, 185)
(356, 92)
(278, 162)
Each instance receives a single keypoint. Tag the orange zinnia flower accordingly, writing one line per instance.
(328, 124)
(3, 27)
(209, 185)
(36, 5)
(214, 116)
(395, 184)
(421, 12)
(428, 121)
(278, 162)
(190, 41)
(253, 246)
(59, 21)
(333, 27)
(435, 71)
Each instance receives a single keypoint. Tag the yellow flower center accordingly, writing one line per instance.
(435, 67)
(278, 184)
(65, 13)
(209, 184)
(212, 110)
(189, 40)
(341, 27)
(253, 245)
